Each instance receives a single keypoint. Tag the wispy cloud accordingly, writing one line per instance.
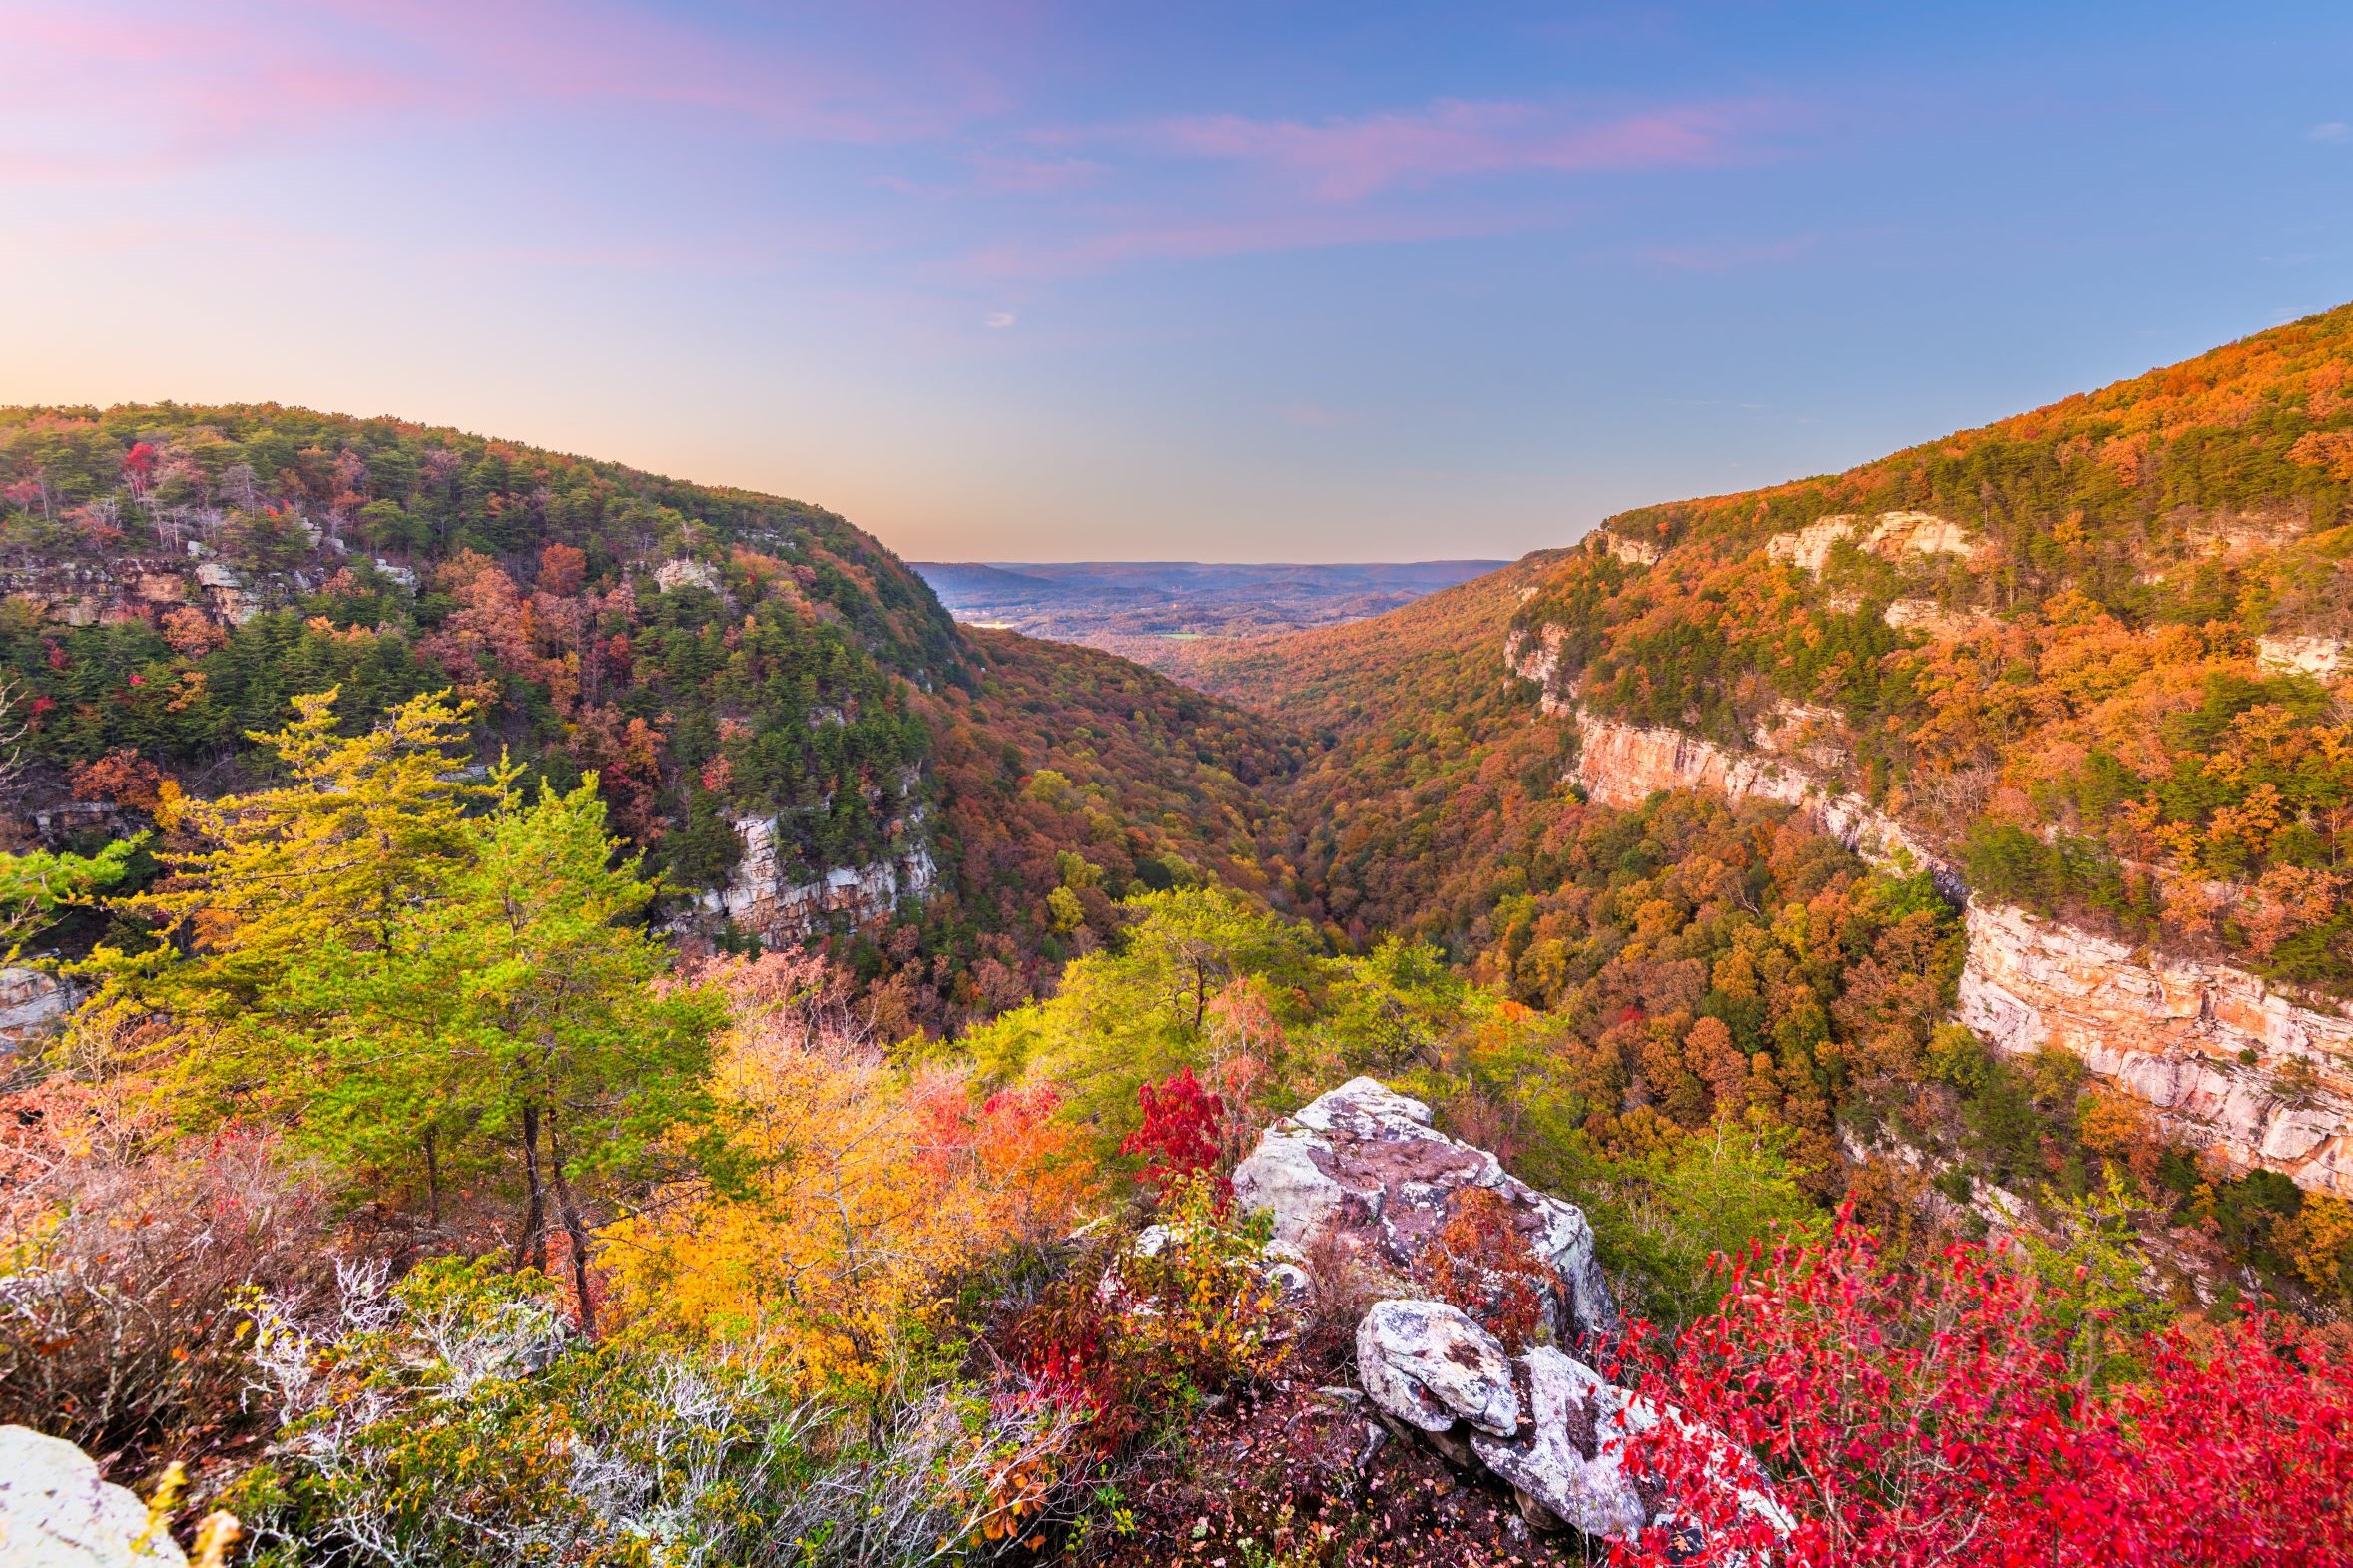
(2330, 131)
(1140, 238)
(1344, 160)
(114, 89)
(1206, 186)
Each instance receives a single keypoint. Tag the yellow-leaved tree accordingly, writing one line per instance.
(863, 1185)
(362, 829)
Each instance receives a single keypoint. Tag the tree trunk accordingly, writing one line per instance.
(433, 1177)
(574, 1227)
(532, 1244)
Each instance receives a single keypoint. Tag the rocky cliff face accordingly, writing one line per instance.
(1622, 764)
(1536, 656)
(772, 902)
(2224, 1061)
(33, 1004)
(149, 588)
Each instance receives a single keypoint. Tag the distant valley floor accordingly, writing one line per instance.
(1159, 613)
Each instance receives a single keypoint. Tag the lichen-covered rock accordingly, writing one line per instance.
(1569, 1471)
(1363, 1164)
(55, 1512)
(1429, 1366)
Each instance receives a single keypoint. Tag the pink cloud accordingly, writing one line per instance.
(133, 89)
(1345, 160)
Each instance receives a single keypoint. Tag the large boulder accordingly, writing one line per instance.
(1429, 1366)
(1363, 1164)
(1570, 1470)
(55, 1512)
(1555, 1431)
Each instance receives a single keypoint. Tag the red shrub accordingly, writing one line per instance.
(1929, 1418)
(1179, 1135)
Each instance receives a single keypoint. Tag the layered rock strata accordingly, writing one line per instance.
(1623, 765)
(2223, 1060)
(765, 899)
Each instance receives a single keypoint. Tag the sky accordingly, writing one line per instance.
(1000, 280)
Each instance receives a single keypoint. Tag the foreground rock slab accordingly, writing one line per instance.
(54, 1511)
(1571, 1471)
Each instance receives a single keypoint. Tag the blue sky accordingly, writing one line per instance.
(1246, 282)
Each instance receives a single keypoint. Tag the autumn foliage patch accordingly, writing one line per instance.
(1911, 1418)
(1179, 1135)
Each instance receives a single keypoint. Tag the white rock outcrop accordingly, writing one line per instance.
(762, 899)
(2316, 655)
(686, 572)
(1623, 765)
(1633, 552)
(1362, 1165)
(33, 1002)
(54, 1511)
(1555, 1431)
(1429, 1365)
(1934, 622)
(1889, 534)
(1535, 656)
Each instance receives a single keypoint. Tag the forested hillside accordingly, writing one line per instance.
(2088, 660)
(1423, 759)
(2091, 651)
(174, 576)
